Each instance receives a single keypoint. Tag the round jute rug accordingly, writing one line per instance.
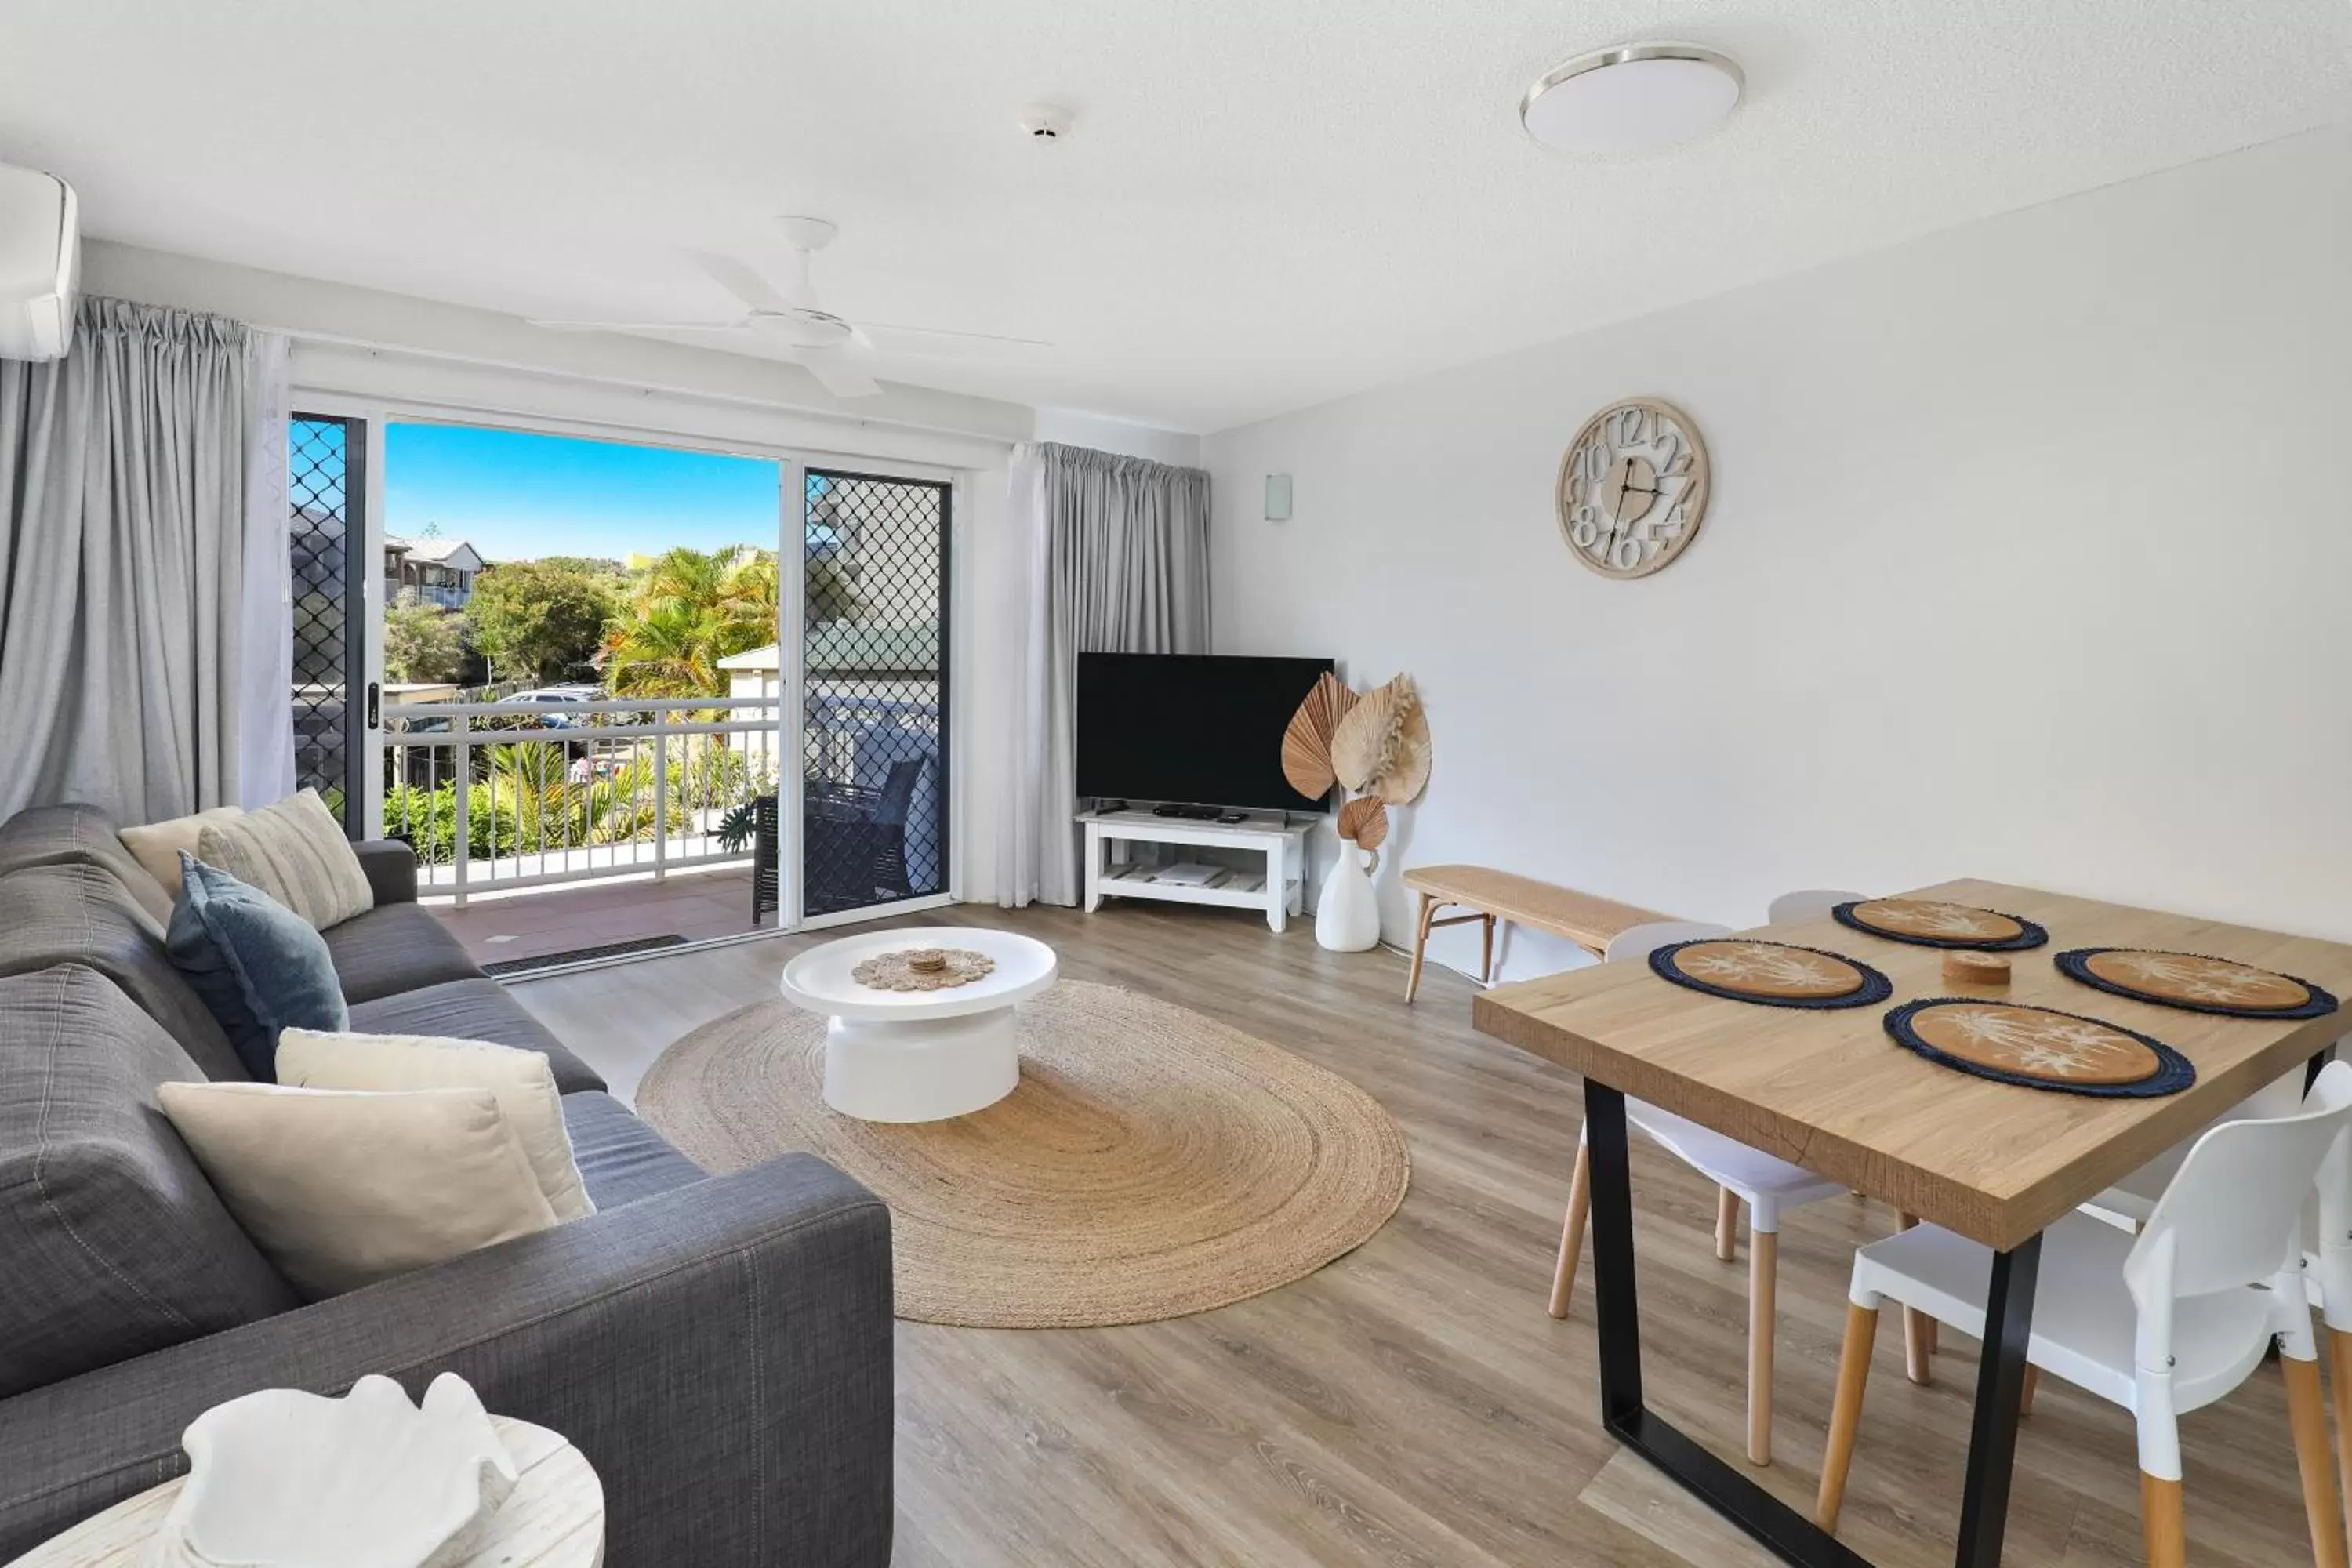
(1153, 1161)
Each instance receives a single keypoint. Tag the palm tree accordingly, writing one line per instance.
(691, 609)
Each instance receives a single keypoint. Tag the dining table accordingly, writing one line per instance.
(1830, 1090)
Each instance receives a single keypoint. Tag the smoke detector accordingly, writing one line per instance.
(1045, 122)
(1635, 98)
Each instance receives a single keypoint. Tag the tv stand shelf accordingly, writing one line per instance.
(1112, 871)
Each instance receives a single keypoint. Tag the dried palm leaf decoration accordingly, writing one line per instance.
(1364, 746)
(1407, 774)
(1364, 822)
(1307, 741)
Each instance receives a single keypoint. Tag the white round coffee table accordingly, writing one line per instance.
(918, 1056)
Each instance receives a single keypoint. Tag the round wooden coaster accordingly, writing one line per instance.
(2194, 981)
(1769, 969)
(1931, 919)
(2035, 1043)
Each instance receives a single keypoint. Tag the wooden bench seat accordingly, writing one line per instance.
(1492, 896)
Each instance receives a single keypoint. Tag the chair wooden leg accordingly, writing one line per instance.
(1487, 951)
(1571, 1232)
(1763, 1316)
(2032, 1387)
(1420, 946)
(1845, 1412)
(1918, 1331)
(2339, 1384)
(2307, 1415)
(1727, 1224)
(2162, 1524)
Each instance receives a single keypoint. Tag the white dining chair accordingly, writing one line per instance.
(1766, 1185)
(2163, 1323)
(2132, 1199)
(1807, 903)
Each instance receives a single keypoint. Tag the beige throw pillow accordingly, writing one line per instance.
(296, 852)
(157, 846)
(340, 1190)
(522, 1081)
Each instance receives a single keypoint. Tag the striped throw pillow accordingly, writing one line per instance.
(296, 852)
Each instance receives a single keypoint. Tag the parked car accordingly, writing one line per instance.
(561, 697)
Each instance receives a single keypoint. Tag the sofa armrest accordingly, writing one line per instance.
(720, 1352)
(390, 868)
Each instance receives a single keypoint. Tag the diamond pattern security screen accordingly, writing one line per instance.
(323, 477)
(875, 653)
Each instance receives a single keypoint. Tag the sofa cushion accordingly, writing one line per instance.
(259, 965)
(396, 947)
(80, 914)
(81, 835)
(115, 1245)
(475, 1009)
(297, 853)
(621, 1158)
(156, 846)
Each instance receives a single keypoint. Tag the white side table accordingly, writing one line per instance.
(1279, 891)
(553, 1519)
(918, 1056)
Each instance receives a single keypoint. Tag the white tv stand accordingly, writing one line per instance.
(1112, 871)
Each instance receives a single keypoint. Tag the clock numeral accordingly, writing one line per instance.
(1629, 427)
(1627, 554)
(1596, 463)
(1671, 442)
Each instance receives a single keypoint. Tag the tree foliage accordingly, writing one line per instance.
(549, 619)
(423, 641)
(690, 609)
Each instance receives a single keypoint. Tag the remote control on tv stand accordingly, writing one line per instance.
(1189, 812)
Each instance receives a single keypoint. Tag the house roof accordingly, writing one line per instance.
(455, 553)
(913, 649)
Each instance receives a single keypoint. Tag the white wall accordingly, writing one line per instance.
(2028, 558)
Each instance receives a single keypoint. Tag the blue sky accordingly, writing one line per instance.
(515, 496)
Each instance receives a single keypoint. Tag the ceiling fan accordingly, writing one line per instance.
(829, 347)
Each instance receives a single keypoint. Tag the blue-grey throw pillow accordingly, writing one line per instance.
(260, 966)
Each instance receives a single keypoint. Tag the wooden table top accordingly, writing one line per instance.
(1583, 918)
(1829, 1091)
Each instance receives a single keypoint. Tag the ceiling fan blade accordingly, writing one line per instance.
(887, 329)
(750, 285)
(836, 371)
(735, 326)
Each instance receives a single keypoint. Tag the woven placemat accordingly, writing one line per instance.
(1770, 974)
(2194, 982)
(1932, 922)
(2040, 1048)
(1152, 1163)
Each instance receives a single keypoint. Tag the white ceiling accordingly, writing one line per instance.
(1262, 205)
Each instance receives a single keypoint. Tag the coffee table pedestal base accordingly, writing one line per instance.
(922, 1070)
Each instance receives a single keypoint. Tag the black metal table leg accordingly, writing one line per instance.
(2000, 1394)
(1789, 1535)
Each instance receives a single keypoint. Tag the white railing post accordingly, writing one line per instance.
(661, 795)
(461, 732)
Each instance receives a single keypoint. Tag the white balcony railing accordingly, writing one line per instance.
(496, 796)
(499, 795)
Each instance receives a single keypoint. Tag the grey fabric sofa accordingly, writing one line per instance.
(719, 1347)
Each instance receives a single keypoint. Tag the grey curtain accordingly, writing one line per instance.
(1119, 563)
(122, 481)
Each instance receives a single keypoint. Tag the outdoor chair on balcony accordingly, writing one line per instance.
(854, 842)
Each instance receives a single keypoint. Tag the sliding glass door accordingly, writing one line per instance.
(326, 551)
(874, 709)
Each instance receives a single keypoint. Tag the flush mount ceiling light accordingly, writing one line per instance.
(1635, 98)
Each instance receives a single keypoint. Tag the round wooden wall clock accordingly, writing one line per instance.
(1632, 487)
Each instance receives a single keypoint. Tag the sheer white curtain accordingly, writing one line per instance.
(1116, 560)
(266, 672)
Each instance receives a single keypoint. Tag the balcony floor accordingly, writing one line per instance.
(535, 921)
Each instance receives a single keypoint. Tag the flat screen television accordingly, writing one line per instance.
(1189, 729)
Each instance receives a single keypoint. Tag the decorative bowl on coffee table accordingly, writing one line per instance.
(926, 1053)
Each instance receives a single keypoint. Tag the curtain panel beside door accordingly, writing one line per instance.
(133, 650)
(1114, 559)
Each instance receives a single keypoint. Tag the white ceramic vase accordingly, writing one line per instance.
(1347, 916)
